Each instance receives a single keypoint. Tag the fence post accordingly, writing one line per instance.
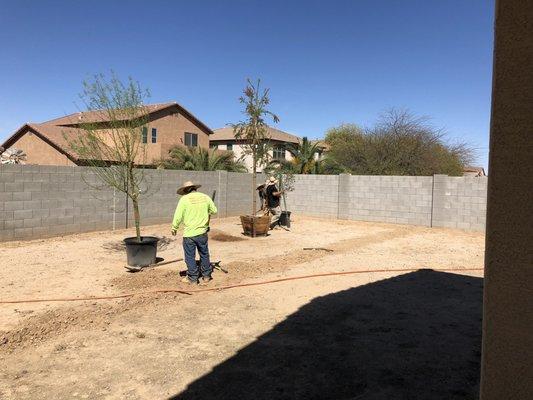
(222, 194)
(343, 196)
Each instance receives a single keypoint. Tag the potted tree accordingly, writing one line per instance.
(254, 135)
(286, 184)
(111, 145)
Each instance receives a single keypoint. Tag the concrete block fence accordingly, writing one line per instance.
(43, 201)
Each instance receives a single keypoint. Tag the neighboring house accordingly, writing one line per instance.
(224, 139)
(474, 171)
(169, 125)
(322, 148)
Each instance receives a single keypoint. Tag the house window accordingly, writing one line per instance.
(229, 147)
(191, 139)
(154, 135)
(278, 153)
(145, 135)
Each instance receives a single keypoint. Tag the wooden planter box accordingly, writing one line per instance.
(255, 226)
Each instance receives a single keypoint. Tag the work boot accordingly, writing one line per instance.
(204, 280)
(187, 280)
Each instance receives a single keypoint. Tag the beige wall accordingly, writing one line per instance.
(39, 152)
(247, 159)
(171, 130)
(507, 361)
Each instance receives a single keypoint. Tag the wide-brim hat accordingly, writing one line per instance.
(272, 181)
(261, 186)
(187, 185)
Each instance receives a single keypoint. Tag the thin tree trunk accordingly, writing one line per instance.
(133, 191)
(254, 184)
(137, 218)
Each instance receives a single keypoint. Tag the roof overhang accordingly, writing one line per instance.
(28, 128)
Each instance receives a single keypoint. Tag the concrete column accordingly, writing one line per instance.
(221, 200)
(507, 361)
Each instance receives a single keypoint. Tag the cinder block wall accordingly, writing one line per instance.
(460, 202)
(395, 199)
(41, 201)
(316, 195)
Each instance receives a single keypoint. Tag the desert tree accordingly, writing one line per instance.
(252, 131)
(111, 138)
(400, 143)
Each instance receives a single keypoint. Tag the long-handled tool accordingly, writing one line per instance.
(216, 265)
(135, 268)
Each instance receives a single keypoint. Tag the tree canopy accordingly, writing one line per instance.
(399, 144)
(200, 159)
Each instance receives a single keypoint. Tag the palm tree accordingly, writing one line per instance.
(303, 156)
(200, 159)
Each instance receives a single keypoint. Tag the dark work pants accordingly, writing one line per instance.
(190, 244)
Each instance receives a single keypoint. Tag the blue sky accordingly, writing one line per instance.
(325, 62)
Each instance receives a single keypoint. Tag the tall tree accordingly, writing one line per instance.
(252, 131)
(111, 143)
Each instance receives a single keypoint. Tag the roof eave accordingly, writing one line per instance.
(30, 128)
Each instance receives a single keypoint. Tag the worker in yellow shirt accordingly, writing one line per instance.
(193, 211)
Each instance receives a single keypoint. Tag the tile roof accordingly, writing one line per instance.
(53, 131)
(226, 133)
(99, 115)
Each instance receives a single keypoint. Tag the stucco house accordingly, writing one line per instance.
(224, 139)
(169, 125)
(474, 171)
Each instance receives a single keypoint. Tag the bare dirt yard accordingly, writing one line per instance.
(378, 334)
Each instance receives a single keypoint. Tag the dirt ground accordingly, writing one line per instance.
(373, 335)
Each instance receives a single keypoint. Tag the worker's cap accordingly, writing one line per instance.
(185, 186)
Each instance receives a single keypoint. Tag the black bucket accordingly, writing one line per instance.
(143, 253)
(285, 219)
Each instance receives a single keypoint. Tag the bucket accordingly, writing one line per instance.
(143, 253)
(285, 219)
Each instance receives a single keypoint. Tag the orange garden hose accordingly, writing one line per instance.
(218, 288)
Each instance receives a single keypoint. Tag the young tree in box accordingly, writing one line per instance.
(111, 140)
(253, 130)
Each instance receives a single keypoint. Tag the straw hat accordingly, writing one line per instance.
(272, 181)
(187, 185)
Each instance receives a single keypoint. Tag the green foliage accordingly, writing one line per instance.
(302, 162)
(345, 147)
(399, 144)
(329, 166)
(253, 130)
(112, 129)
(200, 159)
(303, 156)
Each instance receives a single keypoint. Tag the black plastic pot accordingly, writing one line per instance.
(285, 219)
(143, 253)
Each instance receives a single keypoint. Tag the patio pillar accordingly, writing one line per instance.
(507, 360)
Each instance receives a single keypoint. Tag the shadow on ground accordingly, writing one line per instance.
(415, 336)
